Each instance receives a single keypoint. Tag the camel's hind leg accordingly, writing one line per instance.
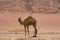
(35, 33)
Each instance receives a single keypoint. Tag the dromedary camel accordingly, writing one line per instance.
(29, 21)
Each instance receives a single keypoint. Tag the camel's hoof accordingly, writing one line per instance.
(34, 36)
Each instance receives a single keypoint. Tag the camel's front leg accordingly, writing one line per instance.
(28, 31)
(25, 30)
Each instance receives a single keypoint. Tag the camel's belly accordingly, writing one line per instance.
(30, 23)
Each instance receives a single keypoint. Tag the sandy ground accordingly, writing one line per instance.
(45, 22)
(21, 37)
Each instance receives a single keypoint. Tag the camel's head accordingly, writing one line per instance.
(19, 19)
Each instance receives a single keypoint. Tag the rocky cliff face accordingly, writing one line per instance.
(33, 6)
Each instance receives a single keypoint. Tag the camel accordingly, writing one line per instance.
(29, 21)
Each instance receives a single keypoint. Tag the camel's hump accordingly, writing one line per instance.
(29, 17)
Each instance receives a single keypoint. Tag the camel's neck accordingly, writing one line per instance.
(20, 21)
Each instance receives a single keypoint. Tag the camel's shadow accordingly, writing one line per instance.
(28, 38)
